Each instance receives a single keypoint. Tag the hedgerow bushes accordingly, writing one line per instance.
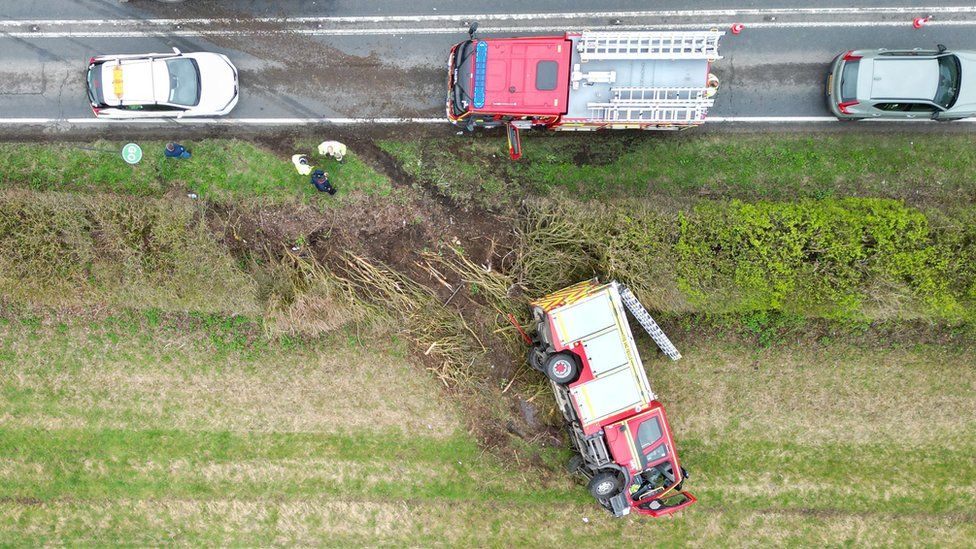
(826, 257)
(832, 258)
(89, 250)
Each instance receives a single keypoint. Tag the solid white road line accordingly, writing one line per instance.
(399, 121)
(456, 30)
(217, 121)
(886, 10)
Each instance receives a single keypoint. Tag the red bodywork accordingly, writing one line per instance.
(510, 81)
(621, 433)
(542, 82)
(586, 374)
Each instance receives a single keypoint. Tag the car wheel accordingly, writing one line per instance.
(562, 368)
(604, 485)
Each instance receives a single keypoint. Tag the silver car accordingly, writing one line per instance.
(903, 84)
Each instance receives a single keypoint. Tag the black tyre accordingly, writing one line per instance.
(562, 368)
(574, 463)
(536, 358)
(604, 485)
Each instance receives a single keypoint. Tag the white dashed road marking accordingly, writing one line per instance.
(753, 12)
(891, 16)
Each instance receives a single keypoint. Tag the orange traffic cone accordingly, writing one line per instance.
(737, 28)
(920, 22)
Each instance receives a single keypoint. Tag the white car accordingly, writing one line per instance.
(158, 85)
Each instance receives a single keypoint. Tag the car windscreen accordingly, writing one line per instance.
(184, 82)
(848, 81)
(95, 94)
(950, 74)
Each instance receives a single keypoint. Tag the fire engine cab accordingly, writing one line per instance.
(583, 81)
(619, 432)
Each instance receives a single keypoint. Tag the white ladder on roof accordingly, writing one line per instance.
(653, 105)
(645, 320)
(649, 45)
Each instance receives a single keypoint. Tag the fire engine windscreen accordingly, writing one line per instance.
(648, 433)
(649, 441)
(461, 93)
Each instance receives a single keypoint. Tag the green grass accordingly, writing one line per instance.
(149, 428)
(467, 173)
(936, 170)
(158, 425)
(220, 170)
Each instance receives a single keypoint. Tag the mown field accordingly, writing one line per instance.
(164, 381)
(145, 429)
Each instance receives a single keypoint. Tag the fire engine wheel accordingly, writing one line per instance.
(562, 368)
(604, 485)
(536, 358)
(575, 463)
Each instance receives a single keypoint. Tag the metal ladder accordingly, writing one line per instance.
(645, 320)
(667, 105)
(649, 45)
(659, 96)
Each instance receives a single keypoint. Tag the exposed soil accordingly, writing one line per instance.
(395, 232)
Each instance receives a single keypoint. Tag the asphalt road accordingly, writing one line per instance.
(343, 61)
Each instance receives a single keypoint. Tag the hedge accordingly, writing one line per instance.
(830, 258)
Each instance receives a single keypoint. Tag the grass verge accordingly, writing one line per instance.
(924, 170)
(220, 170)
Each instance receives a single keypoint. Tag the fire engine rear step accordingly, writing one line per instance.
(645, 320)
(649, 45)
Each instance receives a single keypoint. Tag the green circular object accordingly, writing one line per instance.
(132, 153)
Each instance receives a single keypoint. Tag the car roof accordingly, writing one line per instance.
(904, 78)
(134, 81)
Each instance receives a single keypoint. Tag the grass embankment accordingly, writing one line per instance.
(220, 170)
(937, 170)
(81, 228)
(154, 427)
(158, 428)
(865, 227)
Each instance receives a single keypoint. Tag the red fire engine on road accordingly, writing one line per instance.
(620, 435)
(583, 81)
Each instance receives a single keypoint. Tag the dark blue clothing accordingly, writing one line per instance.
(179, 151)
(321, 182)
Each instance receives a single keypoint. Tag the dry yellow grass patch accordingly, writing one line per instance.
(441, 524)
(168, 383)
(809, 396)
